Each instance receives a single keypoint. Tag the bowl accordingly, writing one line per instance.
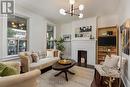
(64, 62)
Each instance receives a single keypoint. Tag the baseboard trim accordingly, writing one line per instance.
(88, 66)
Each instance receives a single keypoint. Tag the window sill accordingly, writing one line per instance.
(8, 58)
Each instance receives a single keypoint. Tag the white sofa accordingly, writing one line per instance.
(42, 63)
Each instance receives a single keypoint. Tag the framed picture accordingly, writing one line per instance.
(67, 37)
(83, 32)
(86, 29)
(125, 37)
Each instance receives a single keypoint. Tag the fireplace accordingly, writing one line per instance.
(84, 45)
(82, 58)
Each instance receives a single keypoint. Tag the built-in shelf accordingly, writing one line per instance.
(106, 51)
(108, 36)
(103, 50)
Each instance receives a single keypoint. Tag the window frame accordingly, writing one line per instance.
(15, 56)
(54, 35)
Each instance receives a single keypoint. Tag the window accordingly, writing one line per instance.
(50, 37)
(17, 35)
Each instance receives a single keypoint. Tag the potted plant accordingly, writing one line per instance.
(59, 45)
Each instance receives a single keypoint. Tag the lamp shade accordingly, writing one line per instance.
(72, 10)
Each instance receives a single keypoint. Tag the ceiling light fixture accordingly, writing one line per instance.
(72, 9)
(71, 2)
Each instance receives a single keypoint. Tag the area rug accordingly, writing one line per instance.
(83, 78)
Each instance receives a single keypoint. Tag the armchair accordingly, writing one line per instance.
(28, 79)
(112, 74)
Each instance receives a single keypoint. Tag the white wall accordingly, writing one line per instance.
(108, 20)
(58, 31)
(3, 35)
(1, 20)
(37, 31)
(124, 13)
(66, 29)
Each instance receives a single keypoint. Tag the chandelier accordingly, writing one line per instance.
(72, 10)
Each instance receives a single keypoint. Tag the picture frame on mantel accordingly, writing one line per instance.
(84, 32)
(67, 37)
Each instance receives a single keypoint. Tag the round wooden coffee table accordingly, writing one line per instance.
(64, 68)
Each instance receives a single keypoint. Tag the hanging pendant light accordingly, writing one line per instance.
(72, 10)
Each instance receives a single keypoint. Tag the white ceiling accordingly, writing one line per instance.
(50, 8)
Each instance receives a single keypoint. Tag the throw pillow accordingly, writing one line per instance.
(55, 53)
(35, 57)
(41, 55)
(9, 71)
(119, 61)
(50, 53)
(2, 67)
(29, 56)
(111, 62)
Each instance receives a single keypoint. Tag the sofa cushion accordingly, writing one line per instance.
(43, 63)
(107, 71)
(42, 55)
(34, 66)
(47, 60)
(111, 62)
(119, 59)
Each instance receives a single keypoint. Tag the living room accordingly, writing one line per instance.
(87, 37)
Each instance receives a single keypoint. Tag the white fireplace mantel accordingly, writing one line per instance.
(86, 45)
